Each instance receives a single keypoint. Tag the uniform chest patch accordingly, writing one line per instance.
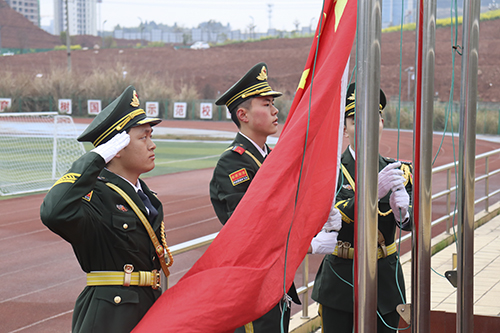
(122, 208)
(239, 176)
(88, 197)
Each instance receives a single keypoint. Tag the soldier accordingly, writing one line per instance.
(113, 221)
(251, 103)
(333, 285)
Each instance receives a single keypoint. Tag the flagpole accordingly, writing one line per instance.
(467, 151)
(422, 162)
(367, 142)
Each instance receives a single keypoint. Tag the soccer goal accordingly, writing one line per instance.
(36, 149)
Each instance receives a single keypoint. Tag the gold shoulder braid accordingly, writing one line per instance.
(161, 251)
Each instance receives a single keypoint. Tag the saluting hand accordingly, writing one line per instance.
(109, 149)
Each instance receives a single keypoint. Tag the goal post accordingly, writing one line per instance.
(36, 149)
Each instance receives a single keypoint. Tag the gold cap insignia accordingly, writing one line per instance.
(263, 74)
(135, 100)
(352, 97)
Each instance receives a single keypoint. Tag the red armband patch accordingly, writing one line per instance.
(239, 176)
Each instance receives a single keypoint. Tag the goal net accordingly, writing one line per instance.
(36, 149)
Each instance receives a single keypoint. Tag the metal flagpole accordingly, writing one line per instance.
(367, 141)
(466, 171)
(422, 161)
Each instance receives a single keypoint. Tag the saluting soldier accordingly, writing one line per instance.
(251, 104)
(333, 285)
(113, 221)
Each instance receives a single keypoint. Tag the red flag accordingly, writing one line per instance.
(253, 260)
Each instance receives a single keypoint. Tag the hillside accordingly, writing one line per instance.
(19, 33)
(214, 70)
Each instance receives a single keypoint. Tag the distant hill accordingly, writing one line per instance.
(214, 70)
(19, 33)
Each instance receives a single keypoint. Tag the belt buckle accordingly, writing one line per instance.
(128, 269)
(343, 249)
(156, 283)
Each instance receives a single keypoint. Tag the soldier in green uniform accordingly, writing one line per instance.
(251, 103)
(333, 284)
(113, 221)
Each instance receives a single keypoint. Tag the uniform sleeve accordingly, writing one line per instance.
(231, 179)
(65, 208)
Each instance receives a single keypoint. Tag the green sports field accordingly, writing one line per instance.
(176, 156)
(26, 166)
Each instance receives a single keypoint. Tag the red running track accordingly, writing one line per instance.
(40, 278)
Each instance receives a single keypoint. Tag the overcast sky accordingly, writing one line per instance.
(189, 13)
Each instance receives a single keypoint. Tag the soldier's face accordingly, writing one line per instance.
(262, 116)
(350, 130)
(139, 157)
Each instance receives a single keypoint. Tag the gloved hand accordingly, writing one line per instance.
(324, 242)
(334, 221)
(390, 178)
(109, 149)
(400, 200)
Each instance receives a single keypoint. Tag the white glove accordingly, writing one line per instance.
(400, 200)
(324, 242)
(390, 178)
(109, 149)
(334, 221)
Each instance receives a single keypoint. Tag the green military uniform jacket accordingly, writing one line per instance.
(234, 172)
(232, 176)
(105, 234)
(328, 289)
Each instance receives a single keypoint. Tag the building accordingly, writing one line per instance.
(82, 17)
(28, 8)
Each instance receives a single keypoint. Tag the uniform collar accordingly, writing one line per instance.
(261, 151)
(353, 153)
(137, 187)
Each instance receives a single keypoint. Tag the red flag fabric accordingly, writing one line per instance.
(250, 264)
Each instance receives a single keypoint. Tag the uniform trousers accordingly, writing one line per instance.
(337, 321)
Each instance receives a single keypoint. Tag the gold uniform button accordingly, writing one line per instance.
(125, 226)
(117, 299)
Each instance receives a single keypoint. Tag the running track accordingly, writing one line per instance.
(40, 277)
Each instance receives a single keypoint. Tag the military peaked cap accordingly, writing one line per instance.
(252, 84)
(350, 102)
(120, 115)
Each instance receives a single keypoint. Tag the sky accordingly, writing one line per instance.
(240, 14)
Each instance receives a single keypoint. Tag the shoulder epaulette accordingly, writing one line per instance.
(388, 159)
(238, 149)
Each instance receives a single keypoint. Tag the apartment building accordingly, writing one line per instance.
(28, 8)
(82, 17)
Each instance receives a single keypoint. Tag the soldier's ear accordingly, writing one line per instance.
(241, 113)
